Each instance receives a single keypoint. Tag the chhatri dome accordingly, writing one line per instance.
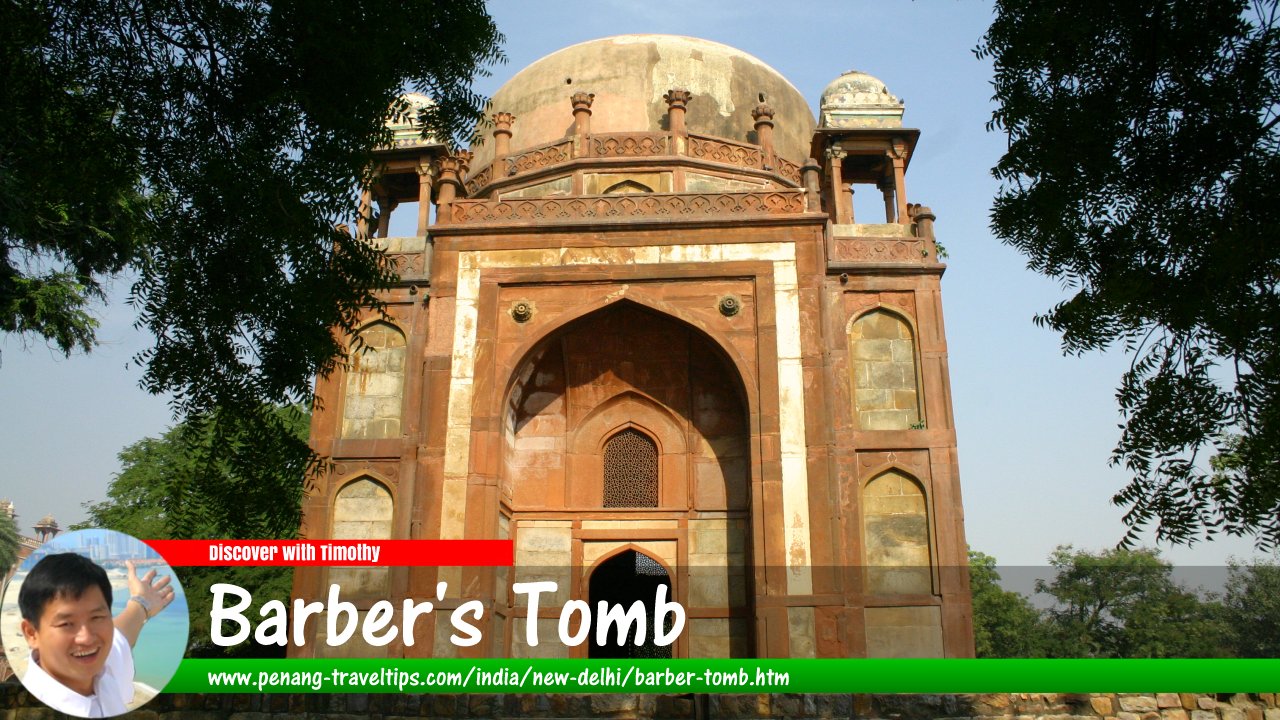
(628, 74)
(404, 125)
(858, 100)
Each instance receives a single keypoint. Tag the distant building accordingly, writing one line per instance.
(45, 529)
(646, 338)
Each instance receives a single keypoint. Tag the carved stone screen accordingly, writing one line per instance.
(630, 470)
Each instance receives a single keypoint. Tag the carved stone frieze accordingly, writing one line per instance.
(479, 179)
(787, 169)
(389, 471)
(885, 250)
(628, 145)
(542, 157)
(725, 152)
(409, 265)
(624, 145)
(777, 202)
(915, 462)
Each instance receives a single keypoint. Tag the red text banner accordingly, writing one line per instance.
(321, 552)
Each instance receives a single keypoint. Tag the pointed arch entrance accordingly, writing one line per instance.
(629, 427)
(621, 581)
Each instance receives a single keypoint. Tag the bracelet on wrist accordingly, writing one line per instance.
(146, 606)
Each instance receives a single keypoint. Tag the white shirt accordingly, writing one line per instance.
(112, 688)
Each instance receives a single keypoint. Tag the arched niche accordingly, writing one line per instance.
(363, 509)
(629, 412)
(374, 393)
(895, 526)
(625, 363)
(883, 363)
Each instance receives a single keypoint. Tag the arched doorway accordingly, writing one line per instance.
(623, 580)
(629, 427)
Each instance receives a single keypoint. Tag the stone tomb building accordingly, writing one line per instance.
(644, 337)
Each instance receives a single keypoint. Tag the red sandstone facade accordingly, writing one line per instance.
(649, 337)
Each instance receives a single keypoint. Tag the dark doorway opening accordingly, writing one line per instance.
(622, 580)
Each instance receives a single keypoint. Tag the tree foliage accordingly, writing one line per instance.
(141, 502)
(1005, 624)
(9, 543)
(1125, 603)
(212, 148)
(1142, 173)
(71, 208)
(1252, 603)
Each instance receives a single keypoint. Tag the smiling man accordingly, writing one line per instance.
(82, 658)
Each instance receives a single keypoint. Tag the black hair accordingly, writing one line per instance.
(59, 575)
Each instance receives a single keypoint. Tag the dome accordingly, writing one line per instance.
(403, 123)
(47, 521)
(629, 75)
(858, 100)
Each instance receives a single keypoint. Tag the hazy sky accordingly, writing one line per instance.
(1035, 428)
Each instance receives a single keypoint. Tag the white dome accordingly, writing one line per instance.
(404, 125)
(858, 100)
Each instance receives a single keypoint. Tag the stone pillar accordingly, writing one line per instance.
(677, 100)
(890, 208)
(763, 115)
(839, 196)
(449, 170)
(582, 112)
(424, 197)
(385, 206)
(810, 174)
(501, 141)
(366, 214)
(924, 217)
(898, 154)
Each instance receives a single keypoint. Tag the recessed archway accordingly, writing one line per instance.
(627, 425)
(625, 365)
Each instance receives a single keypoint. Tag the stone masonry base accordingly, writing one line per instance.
(17, 704)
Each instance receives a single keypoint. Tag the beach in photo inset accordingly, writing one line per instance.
(162, 642)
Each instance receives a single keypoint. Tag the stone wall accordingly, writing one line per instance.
(17, 704)
(883, 358)
(372, 405)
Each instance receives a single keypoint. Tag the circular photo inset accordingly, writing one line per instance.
(94, 623)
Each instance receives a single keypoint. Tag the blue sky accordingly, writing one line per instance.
(1035, 428)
